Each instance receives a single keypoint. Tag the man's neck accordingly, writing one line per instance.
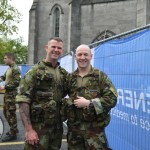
(53, 62)
(84, 71)
(11, 63)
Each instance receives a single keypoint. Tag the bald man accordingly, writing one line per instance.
(91, 97)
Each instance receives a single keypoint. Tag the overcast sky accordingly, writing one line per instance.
(23, 7)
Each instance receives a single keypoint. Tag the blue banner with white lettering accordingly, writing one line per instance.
(126, 62)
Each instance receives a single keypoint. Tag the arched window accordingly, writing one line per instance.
(56, 21)
(103, 35)
(55, 13)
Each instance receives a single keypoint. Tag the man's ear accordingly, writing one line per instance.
(75, 56)
(46, 47)
(62, 51)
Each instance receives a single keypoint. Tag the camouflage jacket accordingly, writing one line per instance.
(12, 77)
(43, 87)
(96, 87)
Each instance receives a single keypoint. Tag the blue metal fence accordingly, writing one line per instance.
(23, 68)
(126, 62)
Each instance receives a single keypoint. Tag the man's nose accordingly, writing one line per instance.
(82, 57)
(56, 49)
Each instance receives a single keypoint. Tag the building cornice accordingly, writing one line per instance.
(34, 5)
(87, 2)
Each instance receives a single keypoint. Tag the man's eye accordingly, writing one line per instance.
(59, 48)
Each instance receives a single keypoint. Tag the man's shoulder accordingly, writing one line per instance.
(63, 70)
(99, 72)
(73, 74)
(32, 70)
(15, 68)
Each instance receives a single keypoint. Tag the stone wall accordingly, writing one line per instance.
(82, 20)
(117, 17)
(45, 24)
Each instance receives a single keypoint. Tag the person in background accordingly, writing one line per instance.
(39, 98)
(12, 78)
(91, 97)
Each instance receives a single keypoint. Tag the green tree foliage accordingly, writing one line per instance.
(15, 46)
(9, 17)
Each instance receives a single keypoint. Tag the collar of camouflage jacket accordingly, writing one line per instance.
(76, 72)
(11, 65)
(50, 64)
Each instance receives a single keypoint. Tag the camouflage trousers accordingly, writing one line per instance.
(87, 140)
(9, 110)
(50, 137)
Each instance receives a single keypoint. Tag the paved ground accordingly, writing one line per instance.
(18, 144)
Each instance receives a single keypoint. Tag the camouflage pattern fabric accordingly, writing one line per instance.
(9, 110)
(87, 140)
(43, 87)
(50, 137)
(97, 88)
(12, 78)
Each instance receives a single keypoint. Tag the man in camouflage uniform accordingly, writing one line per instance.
(39, 97)
(91, 97)
(12, 78)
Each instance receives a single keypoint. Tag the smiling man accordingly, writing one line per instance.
(91, 97)
(39, 97)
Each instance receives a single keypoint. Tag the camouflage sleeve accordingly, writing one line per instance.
(2, 78)
(108, 96)
(13, 84)
(65, 83)
(26, 86)
(66, 101)
(68, 83)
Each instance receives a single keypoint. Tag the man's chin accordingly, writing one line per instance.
(82, 66)
(55, 58)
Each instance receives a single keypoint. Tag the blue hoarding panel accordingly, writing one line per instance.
(66, 62)
(24, 69)
(126, 62)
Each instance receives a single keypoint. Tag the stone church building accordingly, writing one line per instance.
(82, 22)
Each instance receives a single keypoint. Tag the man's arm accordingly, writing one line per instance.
(107, 98)
(3, 77)
(25, 115)
(16, 74)
(30, 133)
(24, 99)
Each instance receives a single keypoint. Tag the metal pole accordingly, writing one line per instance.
(72, 53)
(120, 35)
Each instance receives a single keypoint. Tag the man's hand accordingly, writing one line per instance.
(31, 137)
(81, 102)
(30, 134)
(2, 88)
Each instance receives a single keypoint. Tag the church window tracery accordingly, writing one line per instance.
(56, 21)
